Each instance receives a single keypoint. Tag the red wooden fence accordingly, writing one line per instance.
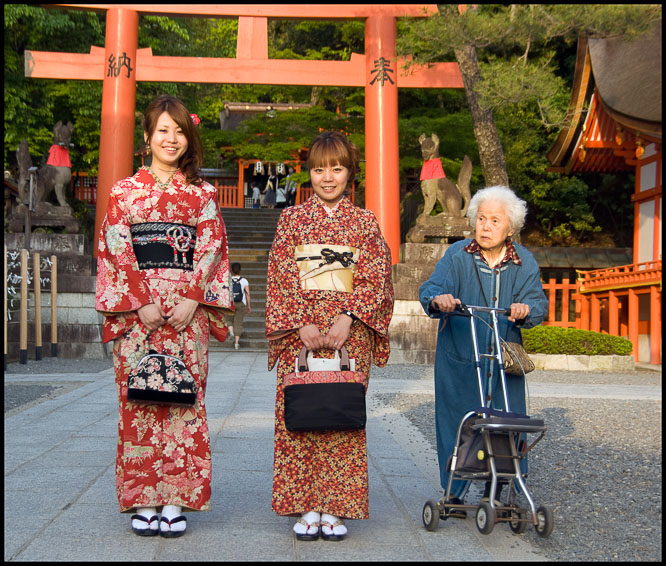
(563, 303)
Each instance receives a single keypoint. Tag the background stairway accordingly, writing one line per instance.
(250, 233)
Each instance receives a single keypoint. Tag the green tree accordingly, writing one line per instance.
(516, 63)
(33, 106)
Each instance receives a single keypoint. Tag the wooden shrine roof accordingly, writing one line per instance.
(616, 98)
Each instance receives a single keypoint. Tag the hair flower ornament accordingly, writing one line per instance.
(195, 119)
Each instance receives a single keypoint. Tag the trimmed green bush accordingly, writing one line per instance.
(557, 340)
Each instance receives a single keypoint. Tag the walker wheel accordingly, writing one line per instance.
(544, 524)
(485, 518)
(430, 515)
(518, 524)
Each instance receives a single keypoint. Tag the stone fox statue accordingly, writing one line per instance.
(57, 173)
(454, 197)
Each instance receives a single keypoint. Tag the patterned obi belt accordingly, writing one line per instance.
(164, 245)
(326, 266)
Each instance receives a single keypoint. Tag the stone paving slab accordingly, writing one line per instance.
(60, 502)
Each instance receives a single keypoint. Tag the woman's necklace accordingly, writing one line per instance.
(160, 184)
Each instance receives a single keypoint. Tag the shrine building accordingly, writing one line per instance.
(616, 127)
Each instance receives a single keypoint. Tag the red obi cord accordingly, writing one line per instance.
(59, 156)
(432, 169)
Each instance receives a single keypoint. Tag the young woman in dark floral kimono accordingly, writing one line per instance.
(322, 477)
(162, 273)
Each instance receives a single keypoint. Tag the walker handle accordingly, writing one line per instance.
(462, 310)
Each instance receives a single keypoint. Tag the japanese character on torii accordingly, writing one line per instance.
(120, 64)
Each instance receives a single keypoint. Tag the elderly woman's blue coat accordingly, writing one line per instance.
(456, 382)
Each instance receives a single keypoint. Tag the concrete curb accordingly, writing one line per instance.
(572, 362)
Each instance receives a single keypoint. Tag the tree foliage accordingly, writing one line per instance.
(526, 56)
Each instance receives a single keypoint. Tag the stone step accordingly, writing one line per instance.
(245, 255)
(235, 244)
(238, 235)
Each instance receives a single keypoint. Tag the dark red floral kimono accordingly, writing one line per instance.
(163, 455)
(325, 471)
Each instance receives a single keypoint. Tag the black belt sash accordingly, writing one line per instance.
(164, 245)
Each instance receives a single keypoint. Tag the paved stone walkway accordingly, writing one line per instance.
(60, 501)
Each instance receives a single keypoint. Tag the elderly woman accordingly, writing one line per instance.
(489, 270)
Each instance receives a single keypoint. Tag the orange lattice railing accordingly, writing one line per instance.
(620, 277)
(562, 303)
(228, 196)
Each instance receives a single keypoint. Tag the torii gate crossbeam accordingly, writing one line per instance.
(120, 64)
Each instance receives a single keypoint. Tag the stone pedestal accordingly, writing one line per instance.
(45, 214)
(413, 334)
(441, 228)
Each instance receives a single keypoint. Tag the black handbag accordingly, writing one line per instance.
(161, 379)
(324, 400)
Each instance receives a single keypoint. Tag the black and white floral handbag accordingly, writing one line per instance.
(161, 379)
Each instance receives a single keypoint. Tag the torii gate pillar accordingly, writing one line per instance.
(382, 187)
(378, 71)
(118, 103)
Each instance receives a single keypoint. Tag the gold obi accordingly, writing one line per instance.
(326, 266)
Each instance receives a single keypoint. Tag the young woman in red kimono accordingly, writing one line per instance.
(322, 477)
(162, 274)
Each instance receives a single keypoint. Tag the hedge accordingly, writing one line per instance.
(557, 340)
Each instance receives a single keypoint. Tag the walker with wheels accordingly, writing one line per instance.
(489, 446)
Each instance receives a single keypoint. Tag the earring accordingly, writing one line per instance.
(147, 149)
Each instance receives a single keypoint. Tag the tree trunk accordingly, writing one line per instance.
(485, 132)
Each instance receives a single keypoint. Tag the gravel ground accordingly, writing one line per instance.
(598, 468)
(19, 396)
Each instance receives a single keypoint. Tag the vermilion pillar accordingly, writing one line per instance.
(116, 148)
(613, 314)
(633, 322)
(382, 190)
(595, 314)
(655, 325)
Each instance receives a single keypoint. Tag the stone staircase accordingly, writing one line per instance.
(250, 233)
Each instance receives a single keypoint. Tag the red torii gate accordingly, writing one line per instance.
(120, 64)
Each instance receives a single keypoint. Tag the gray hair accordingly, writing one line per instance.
(516, 208)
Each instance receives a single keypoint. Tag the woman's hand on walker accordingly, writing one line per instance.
(444, 303)
(519, 311)
(182, 314)
(152, 316)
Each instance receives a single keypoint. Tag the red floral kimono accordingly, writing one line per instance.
(163, 455)
(325, 471)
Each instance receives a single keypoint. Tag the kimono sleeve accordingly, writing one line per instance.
(209, 283)
(121, 287)
(372, 299)
(286, 308)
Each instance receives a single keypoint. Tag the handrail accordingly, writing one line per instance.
(631, 275)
